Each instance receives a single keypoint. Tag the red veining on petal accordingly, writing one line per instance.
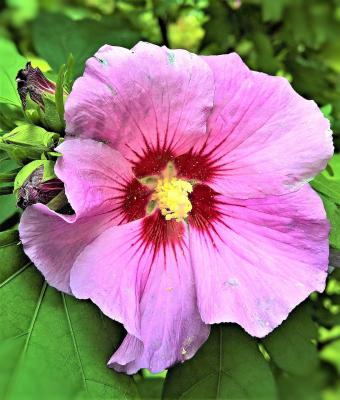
(151, 162)
(194, 166)
(135, 199)
(158, 237)
(161, 235)
(204, 211)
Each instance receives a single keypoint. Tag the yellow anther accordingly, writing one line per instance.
(171, 195)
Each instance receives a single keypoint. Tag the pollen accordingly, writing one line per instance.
(172, 197)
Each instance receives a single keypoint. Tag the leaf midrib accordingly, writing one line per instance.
(29, 333)
(75, 344)
(16, 273)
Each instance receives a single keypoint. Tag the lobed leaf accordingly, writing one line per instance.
(228, 366)
(51, 345)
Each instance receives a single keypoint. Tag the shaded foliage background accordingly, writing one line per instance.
(52, 346)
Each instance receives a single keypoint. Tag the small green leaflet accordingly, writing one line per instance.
(327, 184)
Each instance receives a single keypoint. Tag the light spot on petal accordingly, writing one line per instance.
(171, 57)
(112, 90)
(299, 284)
(185, 350)
(233, 282)
(103, 61)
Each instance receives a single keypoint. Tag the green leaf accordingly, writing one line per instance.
(52, 345)
(59, 94)
(150, 388)
(333, 214)
(10, 116)
(228, 366)
(68, 80)
(27, 142)
(5, 190)
(290, 345)
(8, 176)
(331, 353)
(308, 387)
(265, 60)
(8, 209)
(81, 38)
(272, 10)
(11, 255)
(327, 110)
(28, 170)
(328, 182)
(10, 63)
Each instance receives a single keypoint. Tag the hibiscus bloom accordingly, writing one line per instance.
(187, 176)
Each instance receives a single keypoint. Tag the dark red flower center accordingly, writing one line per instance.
(161, 227)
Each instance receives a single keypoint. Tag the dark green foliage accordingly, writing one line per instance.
(229, 366)
(55, 347)
(79, 38)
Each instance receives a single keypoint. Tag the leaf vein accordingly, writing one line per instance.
(75, 344)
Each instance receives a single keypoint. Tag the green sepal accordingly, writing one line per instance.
(28, 142)
(59, 95)
(50, 117)
(28, 169)
(58, 202)
(68, 77)
(32, 113)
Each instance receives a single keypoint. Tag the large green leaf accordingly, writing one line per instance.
(11, 255)
(8, 209)
(290, 346)
(10, 63)
(228, 366)
(293, 387)
(150, 388)
(81, 38)
(51, 345)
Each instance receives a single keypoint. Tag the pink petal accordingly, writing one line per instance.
(149, 289)
(146, 97)
(53, 241)
(101, 189)
(261, 259)
(264, 137)
(95, 176)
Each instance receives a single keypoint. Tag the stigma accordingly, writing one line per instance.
(172, 198)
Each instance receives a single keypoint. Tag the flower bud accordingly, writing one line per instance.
(41, 106)
(33, 82)
(37, 183)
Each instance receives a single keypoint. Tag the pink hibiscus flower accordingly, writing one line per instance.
(187, 176)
